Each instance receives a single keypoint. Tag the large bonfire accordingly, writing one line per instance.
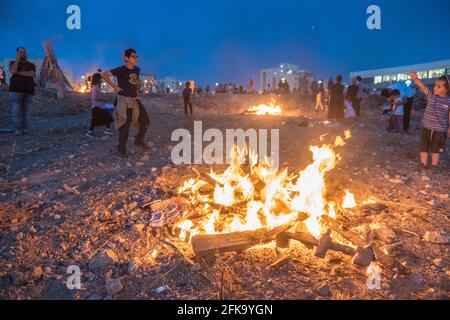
(251, 197)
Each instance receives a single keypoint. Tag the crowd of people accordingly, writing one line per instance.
(235, 88)
(344, 103)
(334, 98)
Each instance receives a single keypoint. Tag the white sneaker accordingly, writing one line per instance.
(89, 134)
(108, 132)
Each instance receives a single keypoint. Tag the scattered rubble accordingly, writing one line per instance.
(75, 203)
(437, 237)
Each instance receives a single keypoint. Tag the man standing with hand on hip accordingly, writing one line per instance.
(129, 110)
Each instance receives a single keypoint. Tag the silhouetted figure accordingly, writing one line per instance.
(352, 94)
(2, 77)
(336, 109)
(187, 98)
(319, 98)
(330, 85)
(359, 95)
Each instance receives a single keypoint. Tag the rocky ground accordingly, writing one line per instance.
(69, 200)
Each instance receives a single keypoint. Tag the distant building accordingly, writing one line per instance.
(295, 77)
(376, 80)
(174, 85)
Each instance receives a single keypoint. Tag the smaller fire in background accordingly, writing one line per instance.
(83, 89)
(265, 109)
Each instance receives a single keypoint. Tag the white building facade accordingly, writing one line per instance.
(378, 79)
(172, 84)
(295, 77)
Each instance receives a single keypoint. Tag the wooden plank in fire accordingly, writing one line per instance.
(308, 239)
(208, 245)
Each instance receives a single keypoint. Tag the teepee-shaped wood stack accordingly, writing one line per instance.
(51, 74)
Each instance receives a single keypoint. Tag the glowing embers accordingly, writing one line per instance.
(265, 109)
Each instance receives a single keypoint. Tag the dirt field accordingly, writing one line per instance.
(70, 200)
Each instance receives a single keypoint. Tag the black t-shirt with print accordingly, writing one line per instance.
(127, 80)
(22, 84)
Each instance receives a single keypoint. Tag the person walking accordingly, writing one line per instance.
(319, 98)
(100, 116)
(187, 98)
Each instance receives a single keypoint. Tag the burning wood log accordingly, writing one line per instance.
(365, 247)
(348, 234)
(323, 244)
(310, 241)
(280, 261)
(363, 256)
(208, 245)
(205, 177)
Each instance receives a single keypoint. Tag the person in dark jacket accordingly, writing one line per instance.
(187, 94)
(352, 94)
(330, 85)
(336, 109)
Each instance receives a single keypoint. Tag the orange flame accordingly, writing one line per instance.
(263, 198)
(265, 109)
(349, 200)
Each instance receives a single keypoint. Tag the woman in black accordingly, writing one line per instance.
(336, 109)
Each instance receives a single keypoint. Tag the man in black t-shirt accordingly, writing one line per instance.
(21, 91)
(128, 108)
